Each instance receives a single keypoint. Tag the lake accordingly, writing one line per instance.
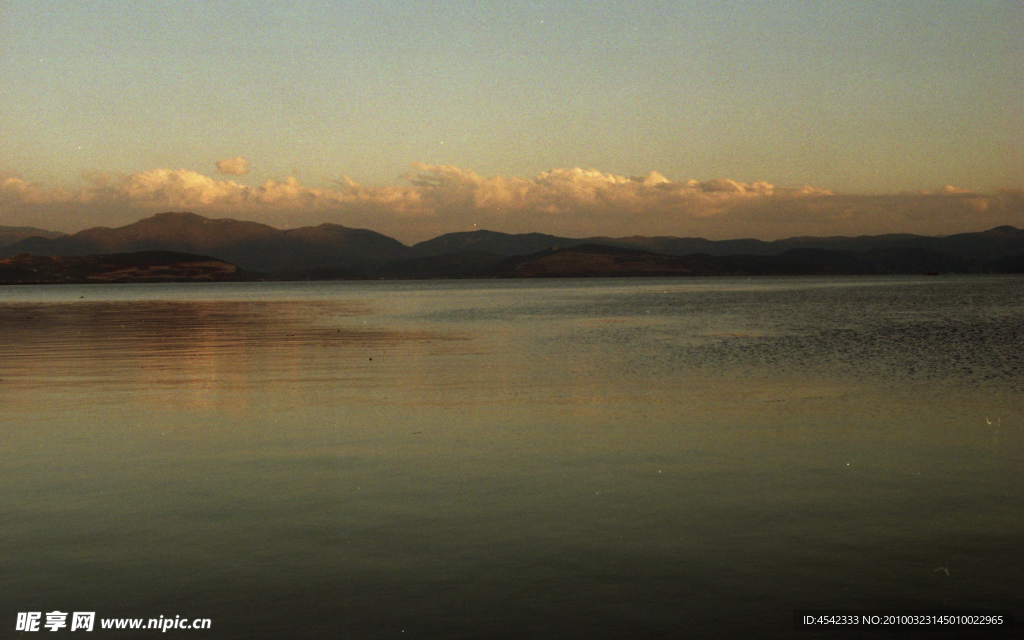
(607, 458)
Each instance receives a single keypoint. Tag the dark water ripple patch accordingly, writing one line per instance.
(954, 351)
(960, 332)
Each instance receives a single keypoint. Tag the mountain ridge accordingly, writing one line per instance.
(335, 251)
(10, 235)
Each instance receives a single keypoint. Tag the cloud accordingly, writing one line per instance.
(951, 190)
(179, 188)
(15, 188)
(435, 199)
(233, 166)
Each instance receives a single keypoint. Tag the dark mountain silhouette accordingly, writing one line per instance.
(1000, 242)
(890, 253)
(1011, 264)
(144, 266)
(826, 262)
(917, 260)
(591, 260)
(10, 235)
(461, 264)
(252, 246)
(987, 245)
(494, 242)
(686, 246)
(330, 251)
(330, 246)
(527, 243)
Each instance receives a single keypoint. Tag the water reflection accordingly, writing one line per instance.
(195, 353)
(511, 459)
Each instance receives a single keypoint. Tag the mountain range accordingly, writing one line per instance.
(331, 251)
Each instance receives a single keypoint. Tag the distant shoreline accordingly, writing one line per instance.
(578, 262)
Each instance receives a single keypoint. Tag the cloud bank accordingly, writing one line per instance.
(436, 199)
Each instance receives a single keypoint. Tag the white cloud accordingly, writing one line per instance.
(435, 199)
(179, 188)
(233, 166)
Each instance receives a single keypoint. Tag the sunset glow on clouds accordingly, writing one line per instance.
(688, 118)
(576, 202)
(233, 166)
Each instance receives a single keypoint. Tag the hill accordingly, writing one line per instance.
(590, 260)
(330, 251)
(995, 243)
(145, 266)
(10, 235)
(250, 245)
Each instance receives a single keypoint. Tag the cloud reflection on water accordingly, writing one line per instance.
(195, 353)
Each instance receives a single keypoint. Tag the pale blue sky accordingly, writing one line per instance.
(856, 97)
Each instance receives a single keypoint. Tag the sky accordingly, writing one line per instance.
(719, 119)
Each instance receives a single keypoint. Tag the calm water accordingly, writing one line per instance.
(541, 459)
